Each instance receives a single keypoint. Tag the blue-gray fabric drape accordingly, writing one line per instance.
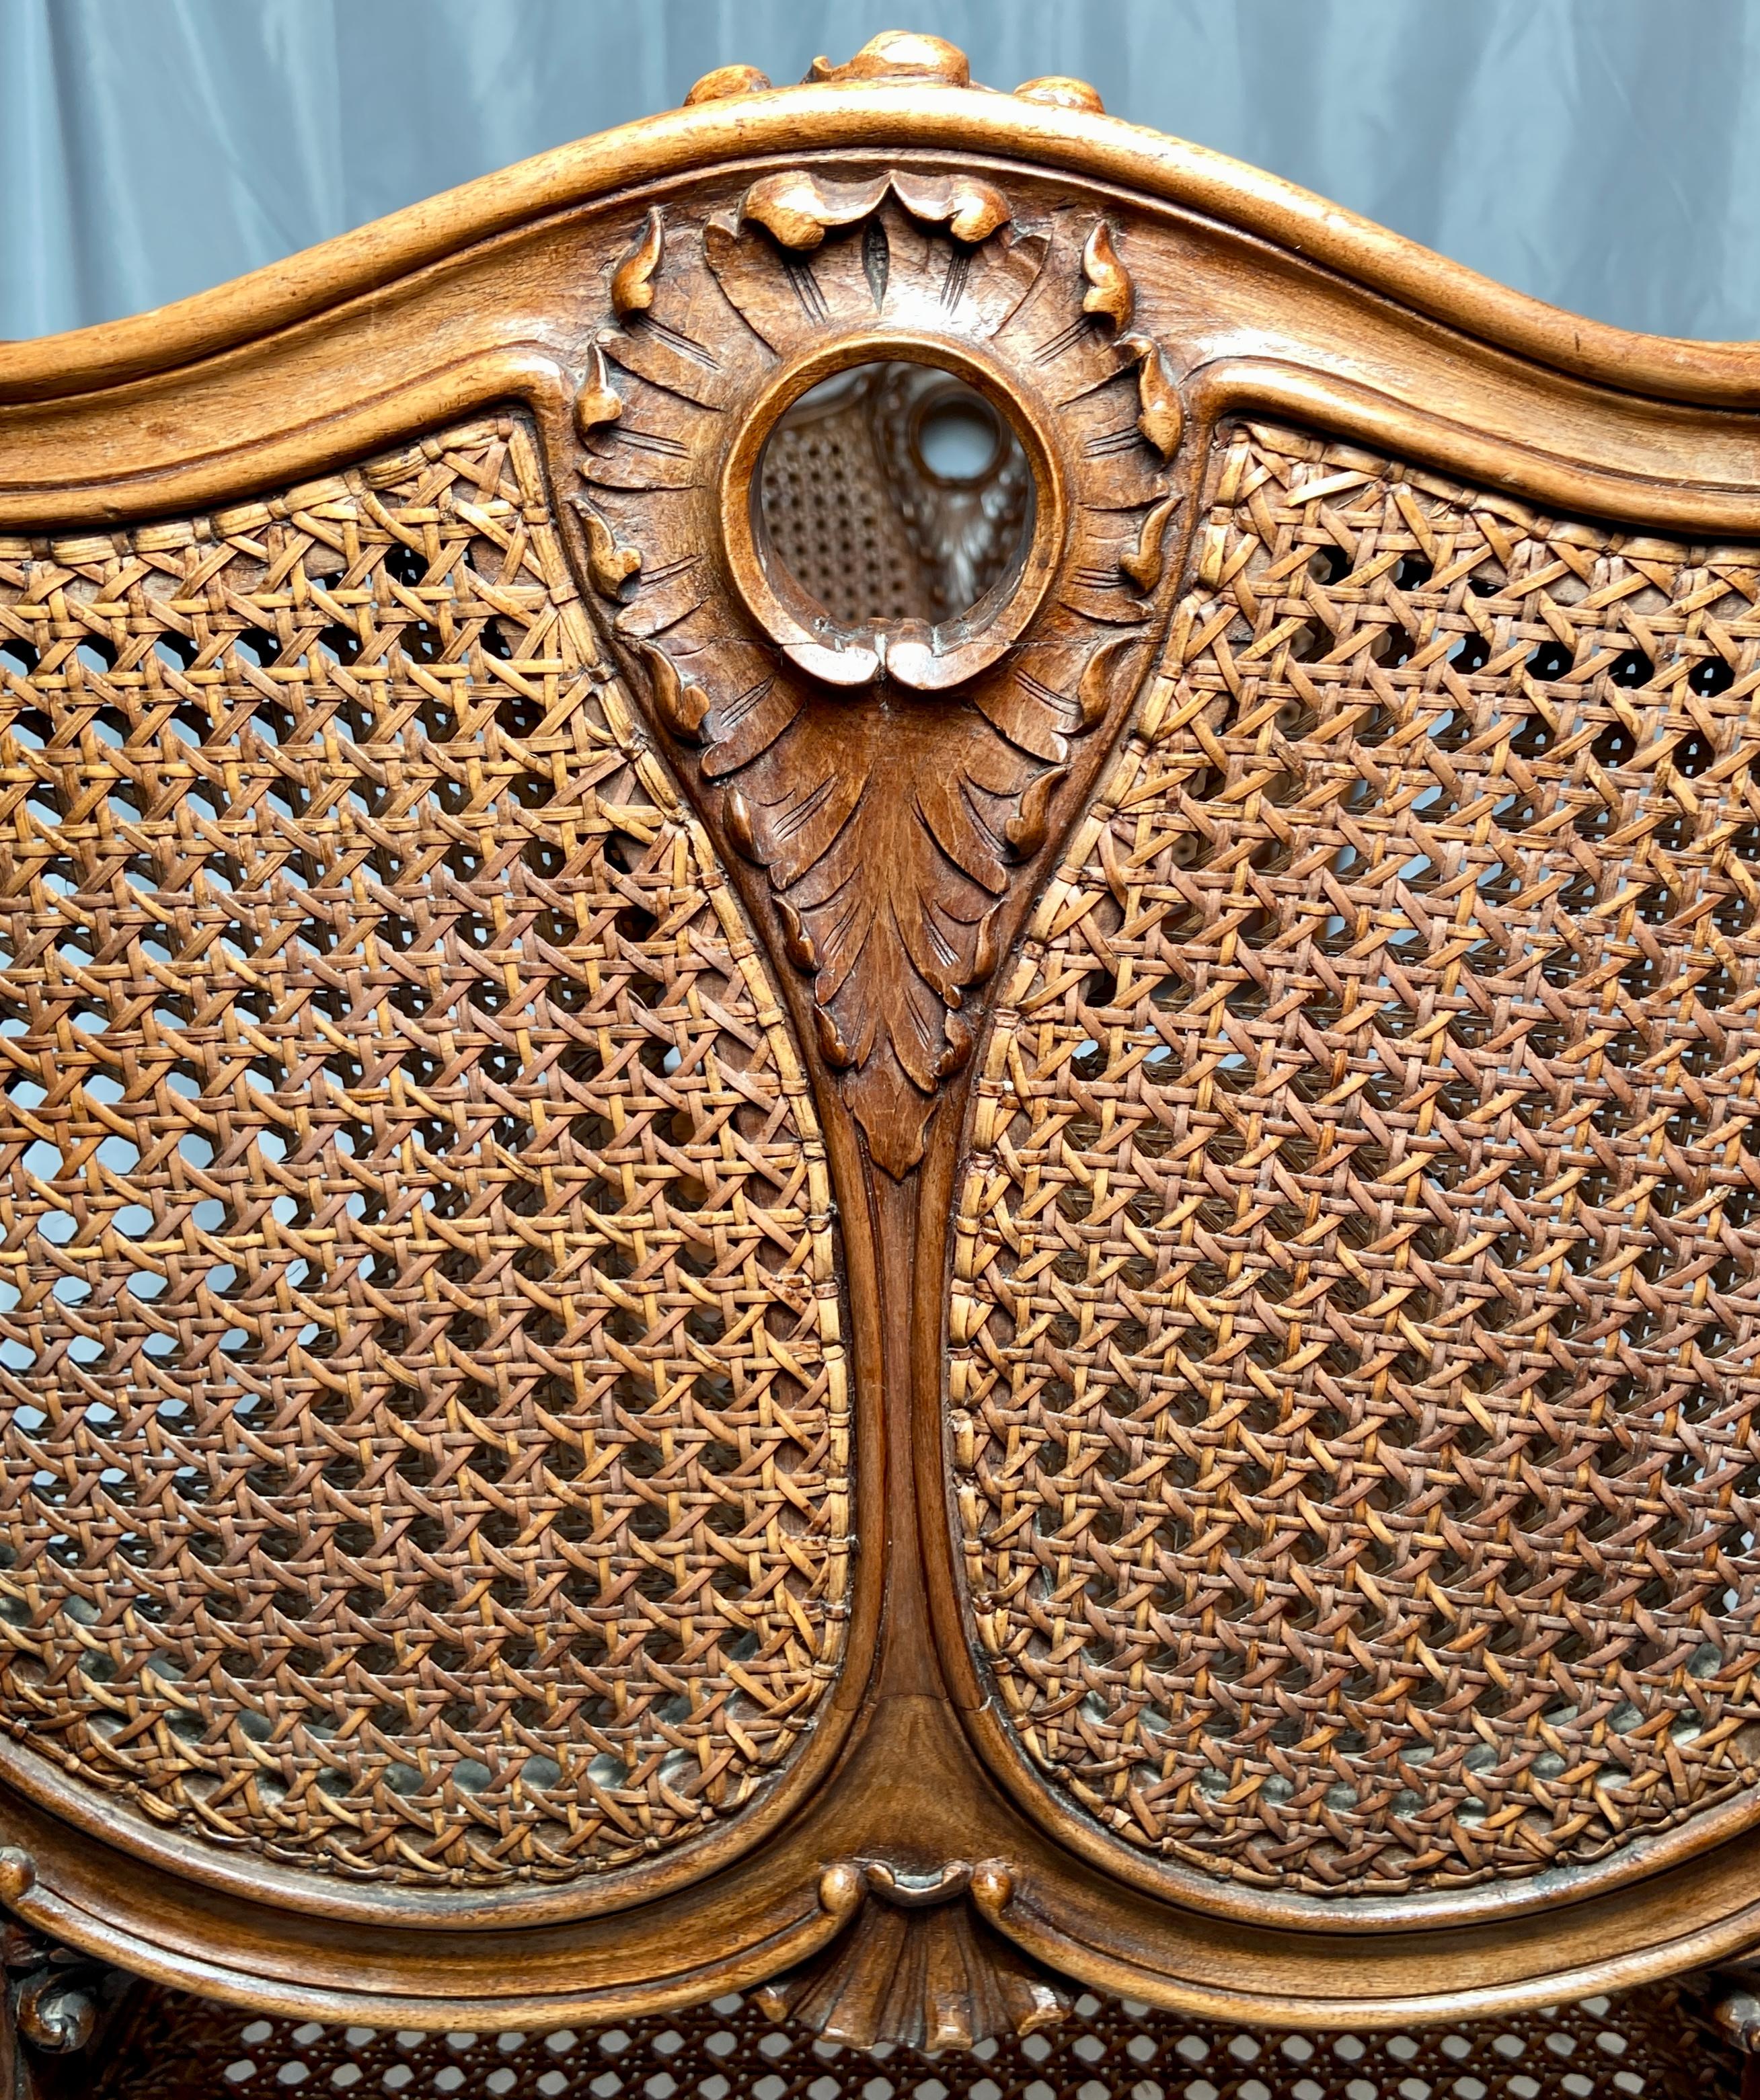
(1593, 152)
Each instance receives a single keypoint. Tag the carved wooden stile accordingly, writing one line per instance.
(872, 1241)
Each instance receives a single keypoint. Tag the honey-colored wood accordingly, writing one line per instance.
(828, 1430)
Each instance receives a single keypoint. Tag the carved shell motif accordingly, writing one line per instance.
(892, 781)
(918, 1964)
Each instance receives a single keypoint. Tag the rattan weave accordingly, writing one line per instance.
(829, 515)
(425, 1419)
(863, 522)
(1353, 1372)
(1638, 2048)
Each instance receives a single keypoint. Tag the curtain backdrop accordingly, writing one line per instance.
(1594, 153)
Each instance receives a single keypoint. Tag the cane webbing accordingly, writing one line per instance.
(829, 516)
(425, 1422)
(1353, 1379)
(864, 522)
(1638, 2048)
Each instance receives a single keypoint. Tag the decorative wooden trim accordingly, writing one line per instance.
(888, 894)
(886, 807)
(1055, 125)
(55, 2004)
(917, 1968)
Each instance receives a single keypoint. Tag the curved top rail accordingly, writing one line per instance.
(881, 112)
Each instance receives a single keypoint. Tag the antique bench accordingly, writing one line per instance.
(880, 1145)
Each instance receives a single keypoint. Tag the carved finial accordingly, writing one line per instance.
(725, 81)
(1058, 91)
(900, 54)
(917, 1967)
(18, 1874)
(632, 280)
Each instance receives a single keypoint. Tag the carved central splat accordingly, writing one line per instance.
(895, 780)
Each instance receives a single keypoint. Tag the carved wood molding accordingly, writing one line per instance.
(730, 1450)
(892, 781)
(54, 2001)
(917, 1966)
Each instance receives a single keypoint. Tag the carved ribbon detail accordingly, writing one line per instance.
(892, 823)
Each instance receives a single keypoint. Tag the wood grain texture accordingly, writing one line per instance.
(889, 779)
(1208, 1110)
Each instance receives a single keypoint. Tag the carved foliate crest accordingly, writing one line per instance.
(892, 781)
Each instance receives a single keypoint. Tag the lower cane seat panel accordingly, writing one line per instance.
(1654, 2044)
(425, 1415)
(1352, 1379)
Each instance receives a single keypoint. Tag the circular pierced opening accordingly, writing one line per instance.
(893, 494)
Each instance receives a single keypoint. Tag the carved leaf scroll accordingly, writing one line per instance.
(920, 1967)
(890, 798)
(800, 208)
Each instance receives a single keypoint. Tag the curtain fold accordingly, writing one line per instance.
(1594, 155)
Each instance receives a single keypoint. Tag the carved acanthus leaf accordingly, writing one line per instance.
(917, 1968)
(680, 704)
(597, 403)
(633, 280)
(1143, 565)
(610, 565)
(1160, 418)
(1109, 293)
(800, 208)
(891, 787)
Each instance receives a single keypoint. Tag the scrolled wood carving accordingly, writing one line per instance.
(477, 1235)
(917, 1966)
(892, 779)
(53, 1999)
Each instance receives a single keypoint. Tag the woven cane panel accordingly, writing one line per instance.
(829, 514)
(181, 2048)
(862, 520)
(1353, 1381)
(425, 1424)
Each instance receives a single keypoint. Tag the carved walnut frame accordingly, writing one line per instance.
(1166, 289)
